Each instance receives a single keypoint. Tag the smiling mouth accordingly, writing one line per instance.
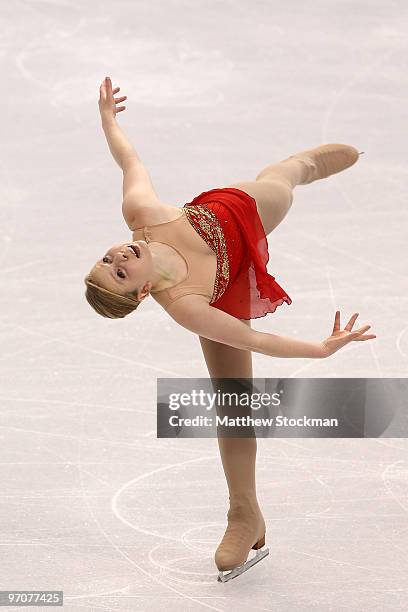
(136, 249)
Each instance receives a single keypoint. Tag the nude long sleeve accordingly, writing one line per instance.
(118, 143)
(284, 346)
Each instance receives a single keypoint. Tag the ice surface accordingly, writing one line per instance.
(91, 502)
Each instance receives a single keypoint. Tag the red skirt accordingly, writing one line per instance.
(243, 287)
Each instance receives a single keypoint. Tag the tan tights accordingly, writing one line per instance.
(273, 193)
(273, 190)
(238, 455)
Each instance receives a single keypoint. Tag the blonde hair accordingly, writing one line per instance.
(107, 303)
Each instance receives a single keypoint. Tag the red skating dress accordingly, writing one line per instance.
(228, 220)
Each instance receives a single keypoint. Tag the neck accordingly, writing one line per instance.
(164, 266)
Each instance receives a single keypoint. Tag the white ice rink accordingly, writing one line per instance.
(91, 502)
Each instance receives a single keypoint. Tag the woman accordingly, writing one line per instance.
(205, 264)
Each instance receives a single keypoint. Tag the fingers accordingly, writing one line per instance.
(362, 329)
(349, 325)
(358, 334)
(107, 84)
(351, 322)
(102, 91)
(106, 92)
(336, 325)
(361, 338)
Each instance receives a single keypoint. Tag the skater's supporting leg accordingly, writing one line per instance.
(238, 455)
(246, 525)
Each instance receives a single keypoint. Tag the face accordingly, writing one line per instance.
(125, 268)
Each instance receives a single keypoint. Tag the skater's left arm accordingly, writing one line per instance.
(119, 145)
(138, 190)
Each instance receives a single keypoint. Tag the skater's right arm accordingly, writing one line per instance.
(195, 314)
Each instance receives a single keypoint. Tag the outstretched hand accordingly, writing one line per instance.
(341, 337)
(107, 103)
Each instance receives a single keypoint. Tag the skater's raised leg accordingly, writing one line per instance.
(273, 191)
(274, 185)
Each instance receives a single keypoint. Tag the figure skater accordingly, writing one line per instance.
(205, 264)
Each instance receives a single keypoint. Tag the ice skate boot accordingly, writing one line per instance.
(245, 532)
(326, 160)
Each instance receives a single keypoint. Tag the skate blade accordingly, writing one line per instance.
(237, 571)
